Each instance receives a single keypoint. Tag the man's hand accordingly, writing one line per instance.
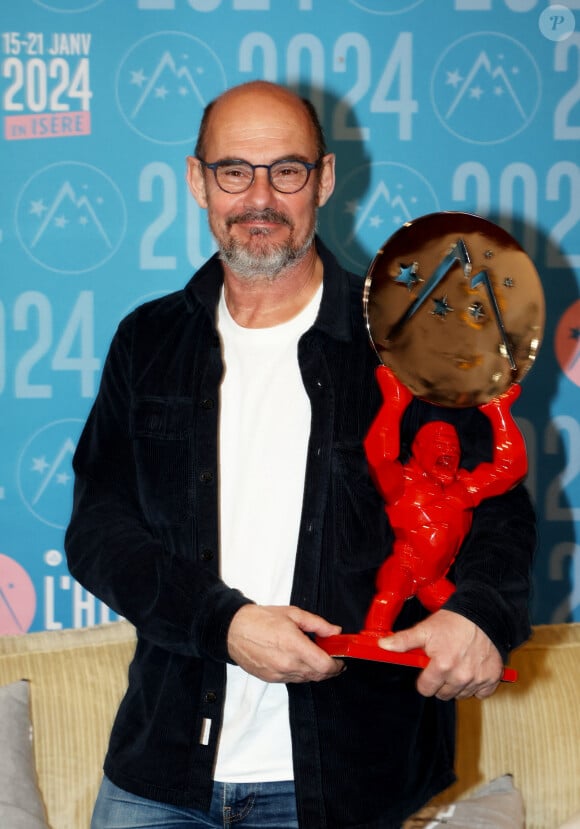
(463, 661)
(271, 643)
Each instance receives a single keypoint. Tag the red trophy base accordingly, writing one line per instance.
(365, 645)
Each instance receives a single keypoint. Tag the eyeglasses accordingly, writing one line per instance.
(287, 176)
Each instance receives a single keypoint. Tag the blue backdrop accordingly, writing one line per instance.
(470, 105)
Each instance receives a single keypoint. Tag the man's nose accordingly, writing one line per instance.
(261, 189)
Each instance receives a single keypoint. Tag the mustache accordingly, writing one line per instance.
(269, 214)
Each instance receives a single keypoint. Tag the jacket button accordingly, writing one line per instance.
(206, 477)
(206, 555)
(211, 696)
(207, 403)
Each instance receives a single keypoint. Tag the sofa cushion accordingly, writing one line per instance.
(76, 678)
(497, 805)
(21, 806)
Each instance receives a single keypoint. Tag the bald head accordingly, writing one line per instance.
(237, 104)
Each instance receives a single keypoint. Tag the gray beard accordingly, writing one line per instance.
(266, 264)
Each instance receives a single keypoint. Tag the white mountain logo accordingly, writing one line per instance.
(175, 78)
(70, 217)
(164, 83)
(56, 472)
(486, 88)
(484, 78)
(375, 206)
(68, 208)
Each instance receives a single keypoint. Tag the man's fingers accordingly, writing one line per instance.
(463, 661)
(311, 623)
(273, 644)
(404, 640)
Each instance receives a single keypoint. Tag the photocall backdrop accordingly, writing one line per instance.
(467, 105)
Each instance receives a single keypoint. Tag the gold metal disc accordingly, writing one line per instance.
(455, 307)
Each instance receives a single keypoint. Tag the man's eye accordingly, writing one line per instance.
(288, 171)
(234, 172)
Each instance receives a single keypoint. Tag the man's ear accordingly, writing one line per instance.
(196, 180)
(326, 180)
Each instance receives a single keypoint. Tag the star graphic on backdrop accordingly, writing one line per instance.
(375, 221)
(138, 78)
(161, 92)
(476, 92)
(62, 478)
(61, 222)
(38, 207)
(454, 78)
(39, 464)
(441, 308)
(351, 207)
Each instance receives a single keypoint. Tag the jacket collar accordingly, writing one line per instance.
(334, 315)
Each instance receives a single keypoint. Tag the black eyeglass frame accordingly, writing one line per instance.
(215, 165)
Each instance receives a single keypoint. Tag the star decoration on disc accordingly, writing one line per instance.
(408, 275)
(441, 307)
(476, 311)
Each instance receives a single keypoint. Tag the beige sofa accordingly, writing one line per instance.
(76, 678)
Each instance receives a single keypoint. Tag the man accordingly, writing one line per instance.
(223, 505)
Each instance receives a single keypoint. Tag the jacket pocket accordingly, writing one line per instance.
(162, 430)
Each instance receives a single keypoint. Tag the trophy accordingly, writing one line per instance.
(455, 313)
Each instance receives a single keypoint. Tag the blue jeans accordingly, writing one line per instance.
(248, 805)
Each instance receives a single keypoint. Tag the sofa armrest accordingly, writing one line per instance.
(530, 729)
(77, 679)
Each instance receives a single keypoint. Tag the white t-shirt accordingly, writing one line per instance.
(264, 431)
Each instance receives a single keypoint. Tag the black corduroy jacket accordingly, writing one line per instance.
(368, 750)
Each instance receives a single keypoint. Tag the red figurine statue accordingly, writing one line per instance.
(429, 501)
